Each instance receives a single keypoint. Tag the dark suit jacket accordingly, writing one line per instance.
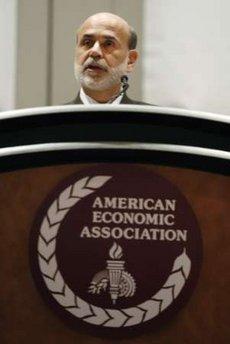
(125, 100)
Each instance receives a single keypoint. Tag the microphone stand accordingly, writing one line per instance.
(125, 86)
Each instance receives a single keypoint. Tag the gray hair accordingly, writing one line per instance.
(132, 39)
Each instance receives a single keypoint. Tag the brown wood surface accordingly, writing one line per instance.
(24, 317)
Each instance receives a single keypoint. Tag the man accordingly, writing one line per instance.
(105, 54)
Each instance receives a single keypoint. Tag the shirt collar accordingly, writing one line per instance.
(86, 100)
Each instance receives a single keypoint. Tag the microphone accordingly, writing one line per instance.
(124, 79)
(125, 84)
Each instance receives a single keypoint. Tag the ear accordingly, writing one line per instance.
(132, 58)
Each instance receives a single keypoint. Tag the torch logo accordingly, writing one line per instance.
(114, 279)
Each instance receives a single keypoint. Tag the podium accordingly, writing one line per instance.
(42, 147)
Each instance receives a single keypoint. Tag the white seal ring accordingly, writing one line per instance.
(110, 318)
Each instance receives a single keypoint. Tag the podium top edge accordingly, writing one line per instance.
(140, 109)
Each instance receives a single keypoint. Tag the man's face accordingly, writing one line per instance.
(102, 53)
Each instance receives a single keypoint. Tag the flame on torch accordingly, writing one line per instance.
(116, 251)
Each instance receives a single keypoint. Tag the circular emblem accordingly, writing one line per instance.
(116, 248)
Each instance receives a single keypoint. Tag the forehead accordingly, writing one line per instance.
(103, 26)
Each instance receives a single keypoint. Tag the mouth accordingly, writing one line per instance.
(94, 68)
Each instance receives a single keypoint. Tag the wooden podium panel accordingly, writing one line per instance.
(25, 318)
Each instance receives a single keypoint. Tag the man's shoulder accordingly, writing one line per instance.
(137, 102)
(76, 100)
(127, 100)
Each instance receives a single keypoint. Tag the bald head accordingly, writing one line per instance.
(114, 22)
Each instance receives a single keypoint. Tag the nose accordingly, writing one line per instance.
(95, 50)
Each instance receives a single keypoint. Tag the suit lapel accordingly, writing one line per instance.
(78, 100)
(126, 100)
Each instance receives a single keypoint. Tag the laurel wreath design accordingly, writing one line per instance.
(113, 318)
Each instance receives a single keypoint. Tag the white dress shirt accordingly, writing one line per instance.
(86, 100)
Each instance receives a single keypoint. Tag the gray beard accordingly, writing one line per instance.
(100, 84)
